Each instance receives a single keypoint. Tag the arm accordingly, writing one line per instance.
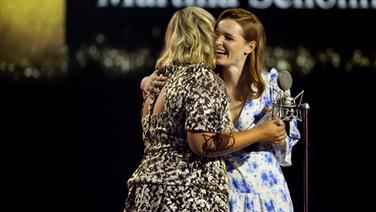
(209, 144)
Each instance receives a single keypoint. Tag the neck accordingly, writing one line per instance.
(234, 83)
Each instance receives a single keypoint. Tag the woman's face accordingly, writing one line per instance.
(230, 44)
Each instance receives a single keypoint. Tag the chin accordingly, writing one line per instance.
(219, 61)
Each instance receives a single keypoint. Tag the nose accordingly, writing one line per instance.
(219, 41)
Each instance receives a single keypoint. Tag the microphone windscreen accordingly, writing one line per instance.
(284, 80)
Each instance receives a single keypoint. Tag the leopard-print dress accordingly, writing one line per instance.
(171, 177)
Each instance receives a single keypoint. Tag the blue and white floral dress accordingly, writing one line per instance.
(256, 180)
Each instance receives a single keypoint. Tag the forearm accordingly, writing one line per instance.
(208, 144)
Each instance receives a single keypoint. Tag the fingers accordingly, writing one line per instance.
(280, 133)
(159, 81)
(161, 78)
(280, 141)
(145, 90)
(282, 137)
(157, 84)
(279, 122)
(154, 90)
(152, 84)
(275, 132)
(146, 83)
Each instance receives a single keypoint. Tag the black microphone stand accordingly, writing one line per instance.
(302, 112)
(304, 108)
(287, 109)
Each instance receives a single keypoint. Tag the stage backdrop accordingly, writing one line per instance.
(70, 98)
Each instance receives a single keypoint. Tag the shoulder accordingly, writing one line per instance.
(201, 74)
(199, 70)
(271, 79)
(270, 76)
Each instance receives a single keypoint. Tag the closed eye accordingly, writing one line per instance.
(229, 38)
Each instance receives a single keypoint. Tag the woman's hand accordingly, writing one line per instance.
(274, 132)
(152, 84)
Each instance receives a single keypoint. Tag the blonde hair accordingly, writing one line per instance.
(189, 39)
(253, 30)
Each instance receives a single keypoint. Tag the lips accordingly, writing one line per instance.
(221, 52)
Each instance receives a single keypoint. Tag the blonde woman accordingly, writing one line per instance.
(185, 123)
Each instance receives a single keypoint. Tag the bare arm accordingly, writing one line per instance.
(209, 144)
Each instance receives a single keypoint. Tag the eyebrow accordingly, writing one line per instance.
(228, 34)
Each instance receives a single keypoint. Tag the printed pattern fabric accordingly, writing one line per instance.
(256, 180)
(171, 177)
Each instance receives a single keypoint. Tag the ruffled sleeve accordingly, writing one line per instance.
(206, 102)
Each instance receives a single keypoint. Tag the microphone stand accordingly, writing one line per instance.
(286, 107)
(304, 107)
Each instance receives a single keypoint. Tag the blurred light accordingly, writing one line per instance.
(28, 72)
(32, 37)
(304, 60)
(357, 56)
(93, 51)
(336, 60)
(64, 49)
(125, 65)
(283, 64)
(348, 67)
(364, 61)
(11, 67)
(108, 62)
(322, 57)
(64, 66)
(99, 38)
(80, 57)
(278, 52)
(3, 66)
(35, 73)
(115, 61)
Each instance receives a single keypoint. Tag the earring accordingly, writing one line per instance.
(245, 53)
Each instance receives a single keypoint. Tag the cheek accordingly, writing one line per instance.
(233, 48)
(229, 48)
(238, 49)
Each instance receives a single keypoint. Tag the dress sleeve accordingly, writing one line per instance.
(206, 102)
(284, 155)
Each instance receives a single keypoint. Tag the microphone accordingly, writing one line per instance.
(285, 107)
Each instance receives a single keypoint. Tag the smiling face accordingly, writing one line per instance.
(231, 48)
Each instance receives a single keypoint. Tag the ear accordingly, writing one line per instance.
(250, 47)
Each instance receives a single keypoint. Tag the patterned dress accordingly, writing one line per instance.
(256, 180)
(171, 177)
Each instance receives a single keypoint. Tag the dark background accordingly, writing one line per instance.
(71, 142)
